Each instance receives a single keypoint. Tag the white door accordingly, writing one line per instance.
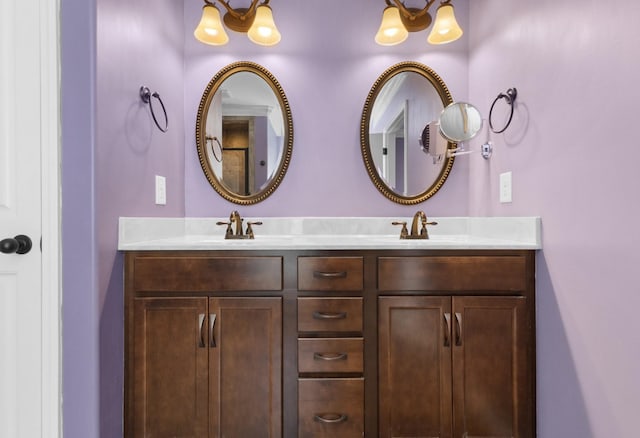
(29, 394)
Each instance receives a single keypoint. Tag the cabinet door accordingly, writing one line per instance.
(170, 363)
(246, 367)
(491, 368)
(414, 366)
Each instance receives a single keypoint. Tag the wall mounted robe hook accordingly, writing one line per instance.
(510, 98)
(146, 95)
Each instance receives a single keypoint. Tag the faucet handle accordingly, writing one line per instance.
(229, 231)
(423, 231)
(403, 232)
(250, 230)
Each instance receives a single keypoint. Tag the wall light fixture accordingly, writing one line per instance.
(398, 20)
(256, 21)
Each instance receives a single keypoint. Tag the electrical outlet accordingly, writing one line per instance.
(161, 190)
(505, 187)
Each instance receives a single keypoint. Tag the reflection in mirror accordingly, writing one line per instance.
(244, 133)
(460, 122)
(403, 151)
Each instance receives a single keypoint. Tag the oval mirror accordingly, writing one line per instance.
(244, 133)
(460, 121)
(404, 154)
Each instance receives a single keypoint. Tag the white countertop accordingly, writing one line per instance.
(153, 234)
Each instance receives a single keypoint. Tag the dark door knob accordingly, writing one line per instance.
(20, 245)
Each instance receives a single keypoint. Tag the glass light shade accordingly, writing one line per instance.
(263, 31)
(445, 28)
(391, 31)
(210, 30)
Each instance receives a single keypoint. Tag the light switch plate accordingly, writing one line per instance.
(505, 187)
(161, 190)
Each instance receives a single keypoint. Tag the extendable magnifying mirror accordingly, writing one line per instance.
(460, 122)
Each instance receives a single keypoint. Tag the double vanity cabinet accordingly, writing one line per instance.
(249, 343)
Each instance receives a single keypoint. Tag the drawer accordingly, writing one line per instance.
(206, 274)
(324, 355)
(335, 314)
(454, 273)
(330, 273)
(331, 408)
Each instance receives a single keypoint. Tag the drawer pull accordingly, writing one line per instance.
(329, 315)
(212, 323)
(330, 418)
(458, 329)
(330, 356)
(201, 330)
(319, 274)
(447, 329)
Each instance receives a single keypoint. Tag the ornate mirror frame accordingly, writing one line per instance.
(365, 145)
(201, 140)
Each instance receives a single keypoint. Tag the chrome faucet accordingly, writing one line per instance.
(419, 219)
(235, 219)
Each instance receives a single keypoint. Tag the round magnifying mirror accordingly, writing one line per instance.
(244, 133)
(460, 121)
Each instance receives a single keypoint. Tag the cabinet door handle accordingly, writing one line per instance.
(212, 323)
(201, 330)
(458, 329)
(329, 315)
(447, 329)
(330, 418)
(330, 356)
(319, 274)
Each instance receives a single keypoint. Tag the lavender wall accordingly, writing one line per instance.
(80, 311)
(326, 78)
(573, 152)
(136, 45)
(111, 153)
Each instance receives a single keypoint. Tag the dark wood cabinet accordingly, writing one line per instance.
(492, 367)
(245, 367)
(207, 367)
(199, 364)
(327, 343)
(330, 347)
(331, 407)
(454, 366)
(414, 369)
(169, 385)
(456, 338)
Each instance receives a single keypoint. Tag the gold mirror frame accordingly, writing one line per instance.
(365, 145)
(201, 141)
